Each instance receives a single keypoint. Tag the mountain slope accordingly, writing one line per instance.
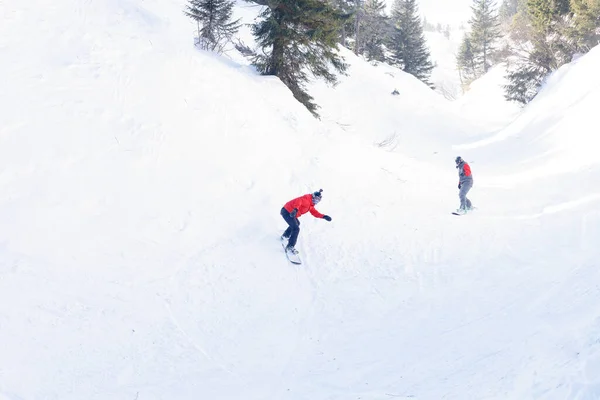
(141, 182)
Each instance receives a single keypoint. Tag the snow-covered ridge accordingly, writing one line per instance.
(557, 130)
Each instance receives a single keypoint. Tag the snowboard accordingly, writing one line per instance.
(293, 258)
(468, 211)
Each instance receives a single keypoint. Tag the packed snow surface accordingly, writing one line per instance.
(141, 182)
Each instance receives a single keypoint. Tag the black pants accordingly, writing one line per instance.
(293, 229)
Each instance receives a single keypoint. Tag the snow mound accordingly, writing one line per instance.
(556, 132)
(484, 102)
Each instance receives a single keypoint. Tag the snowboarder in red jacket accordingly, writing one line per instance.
(295, 208)
(465, 183)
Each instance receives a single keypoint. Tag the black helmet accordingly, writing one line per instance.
(458, 160)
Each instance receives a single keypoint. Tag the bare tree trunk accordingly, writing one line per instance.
(276, 58)
(485, 66)
(357, 27)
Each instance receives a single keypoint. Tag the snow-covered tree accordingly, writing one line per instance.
(465, 60)
(213, 18)
(407, 42)
(299, 37)
(374, 30)
(484, 31)
(508, 9)
(547, 46)
(585, 29)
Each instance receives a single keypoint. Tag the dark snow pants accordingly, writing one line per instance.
(465, 204)
(293, 229)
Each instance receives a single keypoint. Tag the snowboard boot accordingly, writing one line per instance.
(291, 250)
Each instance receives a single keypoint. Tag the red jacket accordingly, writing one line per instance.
(303, 204)
(464, 173)
(467, 170)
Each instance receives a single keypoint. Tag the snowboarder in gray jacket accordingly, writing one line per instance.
(465, 183)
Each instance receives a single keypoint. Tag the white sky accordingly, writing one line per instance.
(446, 11)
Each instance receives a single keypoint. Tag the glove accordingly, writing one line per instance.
(459, 185)
(326, 217)
(293, 213)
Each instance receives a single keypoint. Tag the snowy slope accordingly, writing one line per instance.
(363, 104)
(443, 52)
(140, 188)
(556, 136)
(559, 123)
(484, 103)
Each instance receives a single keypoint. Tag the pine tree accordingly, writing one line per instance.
(213, 18)
(545, 13)
(484, 31)
(374, 28)
(358, 17)
(508, 10)
(299, 37)
(549, 48)
(528, 76)
(427, 26)
(466, 61)
(520, 28)
(407, 43)
(586, 24)
(542, 14)
(447, 31)
(524, 84)
(348, 27)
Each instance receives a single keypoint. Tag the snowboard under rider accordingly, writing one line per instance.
(465, 183)
(295, 208)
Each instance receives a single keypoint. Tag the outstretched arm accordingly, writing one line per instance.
(315, 213)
